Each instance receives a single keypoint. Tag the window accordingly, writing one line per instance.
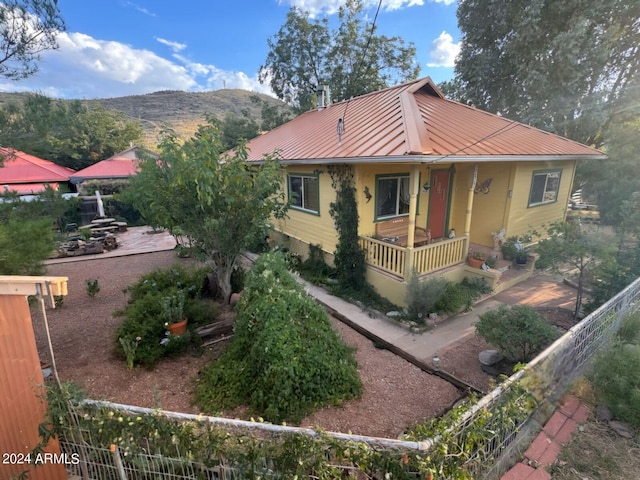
(304, 193)
(544, 187)
(392, 196)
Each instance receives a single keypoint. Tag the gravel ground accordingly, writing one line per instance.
(396, 393)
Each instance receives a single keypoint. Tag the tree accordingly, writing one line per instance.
(234, 129)
(74, 133)
(351, 60)
(27, 28)
(218, 200)
(568, 243)
(272, 115)
(560, 65)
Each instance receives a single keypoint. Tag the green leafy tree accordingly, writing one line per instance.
(74, 133)
(272, 115)
(305, 54)
(569, 243)
(27, 28)
(216, 199)
(235, 129)
(560, 65)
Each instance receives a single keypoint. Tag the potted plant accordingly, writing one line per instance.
(476, 259)
(173, 313)
(521, 253)
(509, 248)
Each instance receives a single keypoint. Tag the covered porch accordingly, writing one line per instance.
(400, 261)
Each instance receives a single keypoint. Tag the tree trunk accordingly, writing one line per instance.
(576, 313)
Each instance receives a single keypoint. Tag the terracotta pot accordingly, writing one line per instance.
(178, 328)
(475, 262)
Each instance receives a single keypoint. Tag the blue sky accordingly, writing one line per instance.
(127, 47)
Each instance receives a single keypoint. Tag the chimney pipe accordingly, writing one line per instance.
(322, 93)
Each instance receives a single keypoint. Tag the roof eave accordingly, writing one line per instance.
(436, 159)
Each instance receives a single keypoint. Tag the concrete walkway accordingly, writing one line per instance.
(537, 291)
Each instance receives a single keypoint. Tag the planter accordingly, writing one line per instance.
(521, 260)
(178, 328)
(475, 262)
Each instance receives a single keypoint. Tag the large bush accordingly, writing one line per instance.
(518, 332)
(422, 296)
(285, 360)
(617, 374)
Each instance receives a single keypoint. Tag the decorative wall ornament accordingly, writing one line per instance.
(367, 194)
(483, 187)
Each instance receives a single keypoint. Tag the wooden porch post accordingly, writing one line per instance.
(413, 208)
(467, 220)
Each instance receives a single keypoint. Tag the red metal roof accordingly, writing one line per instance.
(114, 167)
(27, 188)
(20, 167)
(410, 122)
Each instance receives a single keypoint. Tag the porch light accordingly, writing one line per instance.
(426, 187)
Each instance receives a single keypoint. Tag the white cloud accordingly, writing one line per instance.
(175, 46)
(443, 51)
(85, 67)
(329, 7)
(140, 9)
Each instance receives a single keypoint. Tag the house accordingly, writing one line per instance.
(110, 174)
(27, 175)
(434, 178)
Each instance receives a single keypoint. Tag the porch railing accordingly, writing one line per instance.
(385, 256)
(395, 260)
(439, 255)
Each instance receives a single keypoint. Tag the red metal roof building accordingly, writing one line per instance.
(27, 174)
(121, 165)
(412, 122)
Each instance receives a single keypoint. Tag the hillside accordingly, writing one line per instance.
(182, 111)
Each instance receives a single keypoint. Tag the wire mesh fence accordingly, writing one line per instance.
(146, 454)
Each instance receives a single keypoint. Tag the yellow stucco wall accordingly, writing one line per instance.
(316, 229)
(524, 218)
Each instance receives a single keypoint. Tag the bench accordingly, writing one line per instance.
(396, 231)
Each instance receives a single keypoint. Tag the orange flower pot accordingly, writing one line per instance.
(475, 262)
(178, 328)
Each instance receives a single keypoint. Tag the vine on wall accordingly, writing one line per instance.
(349, 257)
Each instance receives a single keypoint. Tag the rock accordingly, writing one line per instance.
(394, 314)
(603, 413)
(490, 357)
(489, 370)
(621, 428)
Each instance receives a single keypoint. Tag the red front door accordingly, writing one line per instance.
(439, 203)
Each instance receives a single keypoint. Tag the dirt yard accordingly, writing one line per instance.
(396, 393)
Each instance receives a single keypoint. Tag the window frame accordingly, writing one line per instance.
(388, 176)
(535, 203)
(302, 176)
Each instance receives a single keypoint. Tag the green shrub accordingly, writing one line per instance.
(285, 360)
(191, 280)
(422, 296)
(629, 331)
(617, 381)
(455, 296)
(144, 317)
(314, 269)
(518, 332)
(477, 284)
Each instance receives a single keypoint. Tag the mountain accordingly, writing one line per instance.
(182, 111)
